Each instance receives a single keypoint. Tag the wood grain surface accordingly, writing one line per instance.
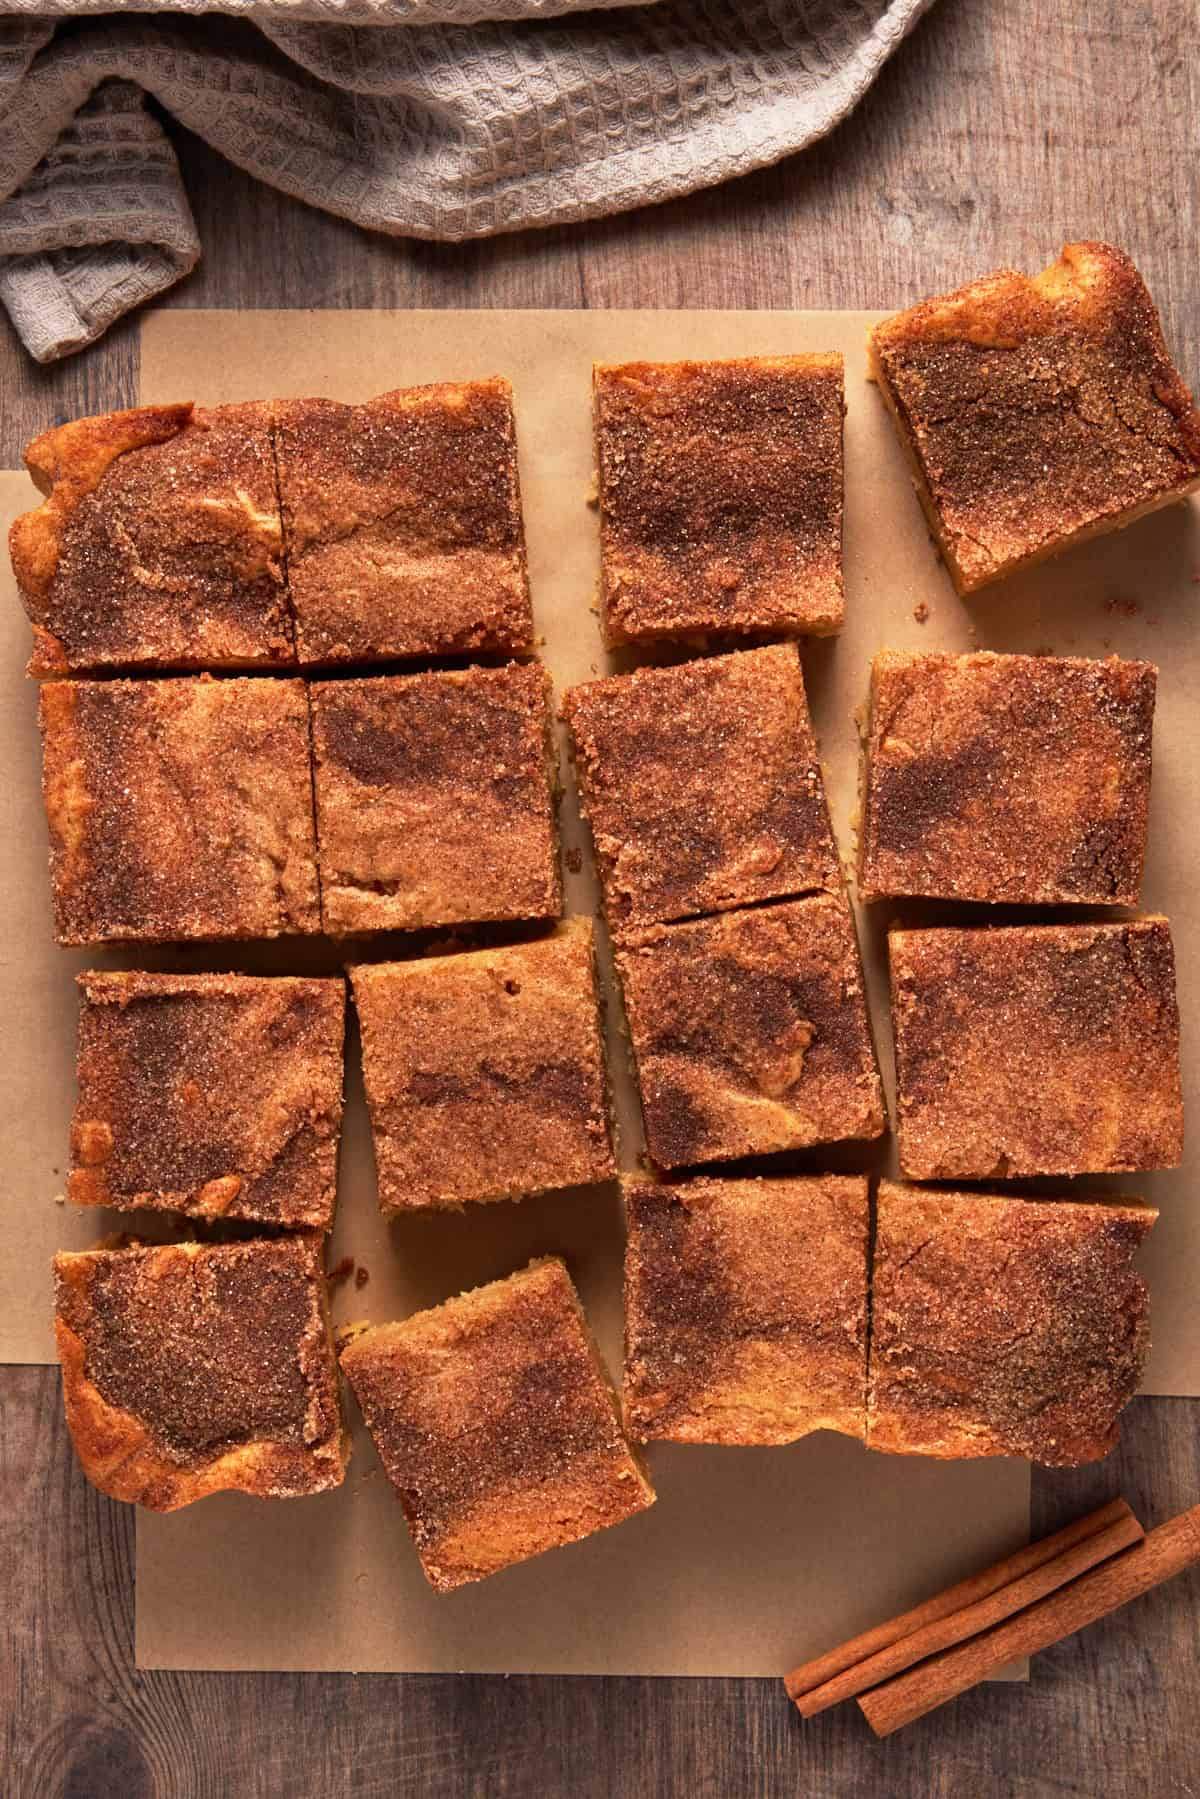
(1000, 129)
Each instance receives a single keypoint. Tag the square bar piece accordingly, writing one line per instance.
(1005, 1326)
(179, 809)
(435, 799)
(218, 1095)
(494, 1421)
(702, 786)
(750, 1032)
(1036, 1049)
(159, 545)
(720, 490)
(1016, 779)
(1037, 412)
(402, 521)
(195, 1368)
(485, 1072)
(746, 1309)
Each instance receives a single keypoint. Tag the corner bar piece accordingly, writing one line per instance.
(158, 545)
(195, 1368)
(1037, 412)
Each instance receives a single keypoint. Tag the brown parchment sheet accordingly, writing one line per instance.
(752, 1559)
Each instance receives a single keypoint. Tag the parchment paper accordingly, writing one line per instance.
(752, 1558)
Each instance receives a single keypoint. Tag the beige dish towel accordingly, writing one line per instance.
(427, 118)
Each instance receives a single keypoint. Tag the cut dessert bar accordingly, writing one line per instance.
(702, 786)
(215, 1095)
(746, 1308)
(1037, 412)
(435, 799)
(1018, 779)
(179, 809)
(750, 1033)
(159, 544)
(496, 1425)
(1004, 1326)
(402, 524)
(1036, 1049)
(484, 1071)
(720, 489)
(193, 1368)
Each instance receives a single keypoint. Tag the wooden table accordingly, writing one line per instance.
(1000, 129)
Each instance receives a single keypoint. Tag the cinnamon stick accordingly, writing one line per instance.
(1161, 1554)
(821, 1672)
(970, 1620)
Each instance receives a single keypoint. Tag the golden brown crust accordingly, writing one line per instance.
(1017, 779)
(215, 1095)
(159, 545)
(179, 809)
(750, 1032)
(1038, 411)
(1004, 1326)
(191, 1369)
(494, 1422)
(484, 1072)
(435, 799)
(403, 524)
(746, 1309)
(720, 497)
(702, 786)
(1036, 1049)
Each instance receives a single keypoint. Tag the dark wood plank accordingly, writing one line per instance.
(994, 133)
(1111, 1711)
(998, 131)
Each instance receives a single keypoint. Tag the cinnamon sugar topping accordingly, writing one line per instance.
(702, 786)
(1004, 1326)
(746, 1308)
(1022, 779)
(720, 497)
(494, 1423)
(215, 1095)
(1036, 1049)
(192, 1368)
(1038, 411)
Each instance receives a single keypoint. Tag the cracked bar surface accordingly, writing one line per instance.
(1018, 779)
(746, 1308)
(1005, 1326)
(720, 487)
(197, 1368)
(702, 786)
(749, 1032)
(402, 523)
(215, 1095)
(179, 809)
(484, 1072)
(1037, 411)
(494, 1421)
(435, 799)
(159, 544)
(1036, 1049)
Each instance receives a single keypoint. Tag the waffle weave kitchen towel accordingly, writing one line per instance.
(426, 118)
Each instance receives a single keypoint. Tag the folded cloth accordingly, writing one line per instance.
(383, 112)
